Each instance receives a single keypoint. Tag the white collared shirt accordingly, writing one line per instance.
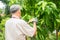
(17, 29)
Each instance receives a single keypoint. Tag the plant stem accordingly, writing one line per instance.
(56, 34)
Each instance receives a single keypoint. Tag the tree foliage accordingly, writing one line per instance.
(47, 13)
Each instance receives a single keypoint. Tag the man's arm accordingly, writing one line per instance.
(26, 28)
(34, 24)
(34, 27)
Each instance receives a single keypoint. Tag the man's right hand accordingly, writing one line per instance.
(33, 20)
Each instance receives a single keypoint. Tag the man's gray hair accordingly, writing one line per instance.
(14, 8)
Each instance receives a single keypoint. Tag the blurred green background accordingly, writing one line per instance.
(47, 12)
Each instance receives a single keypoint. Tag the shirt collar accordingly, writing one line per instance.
(13, 16)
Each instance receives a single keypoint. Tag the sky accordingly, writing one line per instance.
(2, 5)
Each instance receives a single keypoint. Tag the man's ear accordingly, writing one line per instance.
(18, 11)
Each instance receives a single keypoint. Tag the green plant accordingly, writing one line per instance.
(47, 14)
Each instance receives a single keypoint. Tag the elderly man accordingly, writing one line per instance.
(16, 28)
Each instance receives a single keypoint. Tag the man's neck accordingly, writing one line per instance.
(14, 16)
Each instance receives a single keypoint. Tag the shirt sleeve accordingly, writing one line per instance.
(25, 28)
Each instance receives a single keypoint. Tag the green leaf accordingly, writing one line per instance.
(58, 20)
